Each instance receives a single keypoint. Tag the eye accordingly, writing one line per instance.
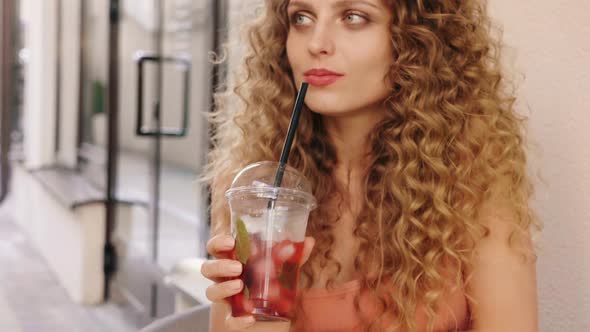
(299, 19)
(355, 18)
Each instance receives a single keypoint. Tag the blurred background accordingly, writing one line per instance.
(103, 135)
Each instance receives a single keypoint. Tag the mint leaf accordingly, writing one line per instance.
(246, 291)
(288, 275)
(242, 242)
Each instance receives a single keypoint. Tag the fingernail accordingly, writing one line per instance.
(236, 284)
(235, 268)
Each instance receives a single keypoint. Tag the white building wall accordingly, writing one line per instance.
(40, 79)
(70, 82)
(550, 51)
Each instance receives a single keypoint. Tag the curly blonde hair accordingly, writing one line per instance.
(450, 142)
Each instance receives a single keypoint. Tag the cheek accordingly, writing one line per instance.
(371, 71)
(381, 49)
(384, 52)
(381, 63)
(291, 50)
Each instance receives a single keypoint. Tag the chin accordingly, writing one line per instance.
(333, 109)
(331, 113)
(325, 110)
(325, 105)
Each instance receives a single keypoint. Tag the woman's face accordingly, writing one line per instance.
(349, 38)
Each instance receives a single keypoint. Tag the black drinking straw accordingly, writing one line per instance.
(289, 139)
(279, 179)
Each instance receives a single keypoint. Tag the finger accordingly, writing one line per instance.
(221, 268)
(219, 244)
(218, 292)
(308, 244)
(239, 323)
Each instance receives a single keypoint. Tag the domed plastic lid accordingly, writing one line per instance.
(259, 178)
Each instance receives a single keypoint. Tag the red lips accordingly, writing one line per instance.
(321, 76)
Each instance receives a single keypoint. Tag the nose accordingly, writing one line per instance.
(321, 40)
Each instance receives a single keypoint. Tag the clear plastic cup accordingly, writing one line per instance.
(269, 238)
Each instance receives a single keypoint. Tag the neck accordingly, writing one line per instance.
(349, 134)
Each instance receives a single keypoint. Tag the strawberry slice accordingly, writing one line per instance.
(237, 305)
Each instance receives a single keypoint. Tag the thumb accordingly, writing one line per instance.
(308, 244)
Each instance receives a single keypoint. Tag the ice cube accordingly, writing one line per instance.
(281, 228)
(286, 252)
(283, 251)
(254, 224)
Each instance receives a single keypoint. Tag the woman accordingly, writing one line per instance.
(416, 158)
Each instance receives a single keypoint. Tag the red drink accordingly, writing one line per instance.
(270, 278)
(269, 225)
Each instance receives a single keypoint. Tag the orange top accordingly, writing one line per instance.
(332, 310)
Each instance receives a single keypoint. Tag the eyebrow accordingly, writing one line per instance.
(338, 4)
